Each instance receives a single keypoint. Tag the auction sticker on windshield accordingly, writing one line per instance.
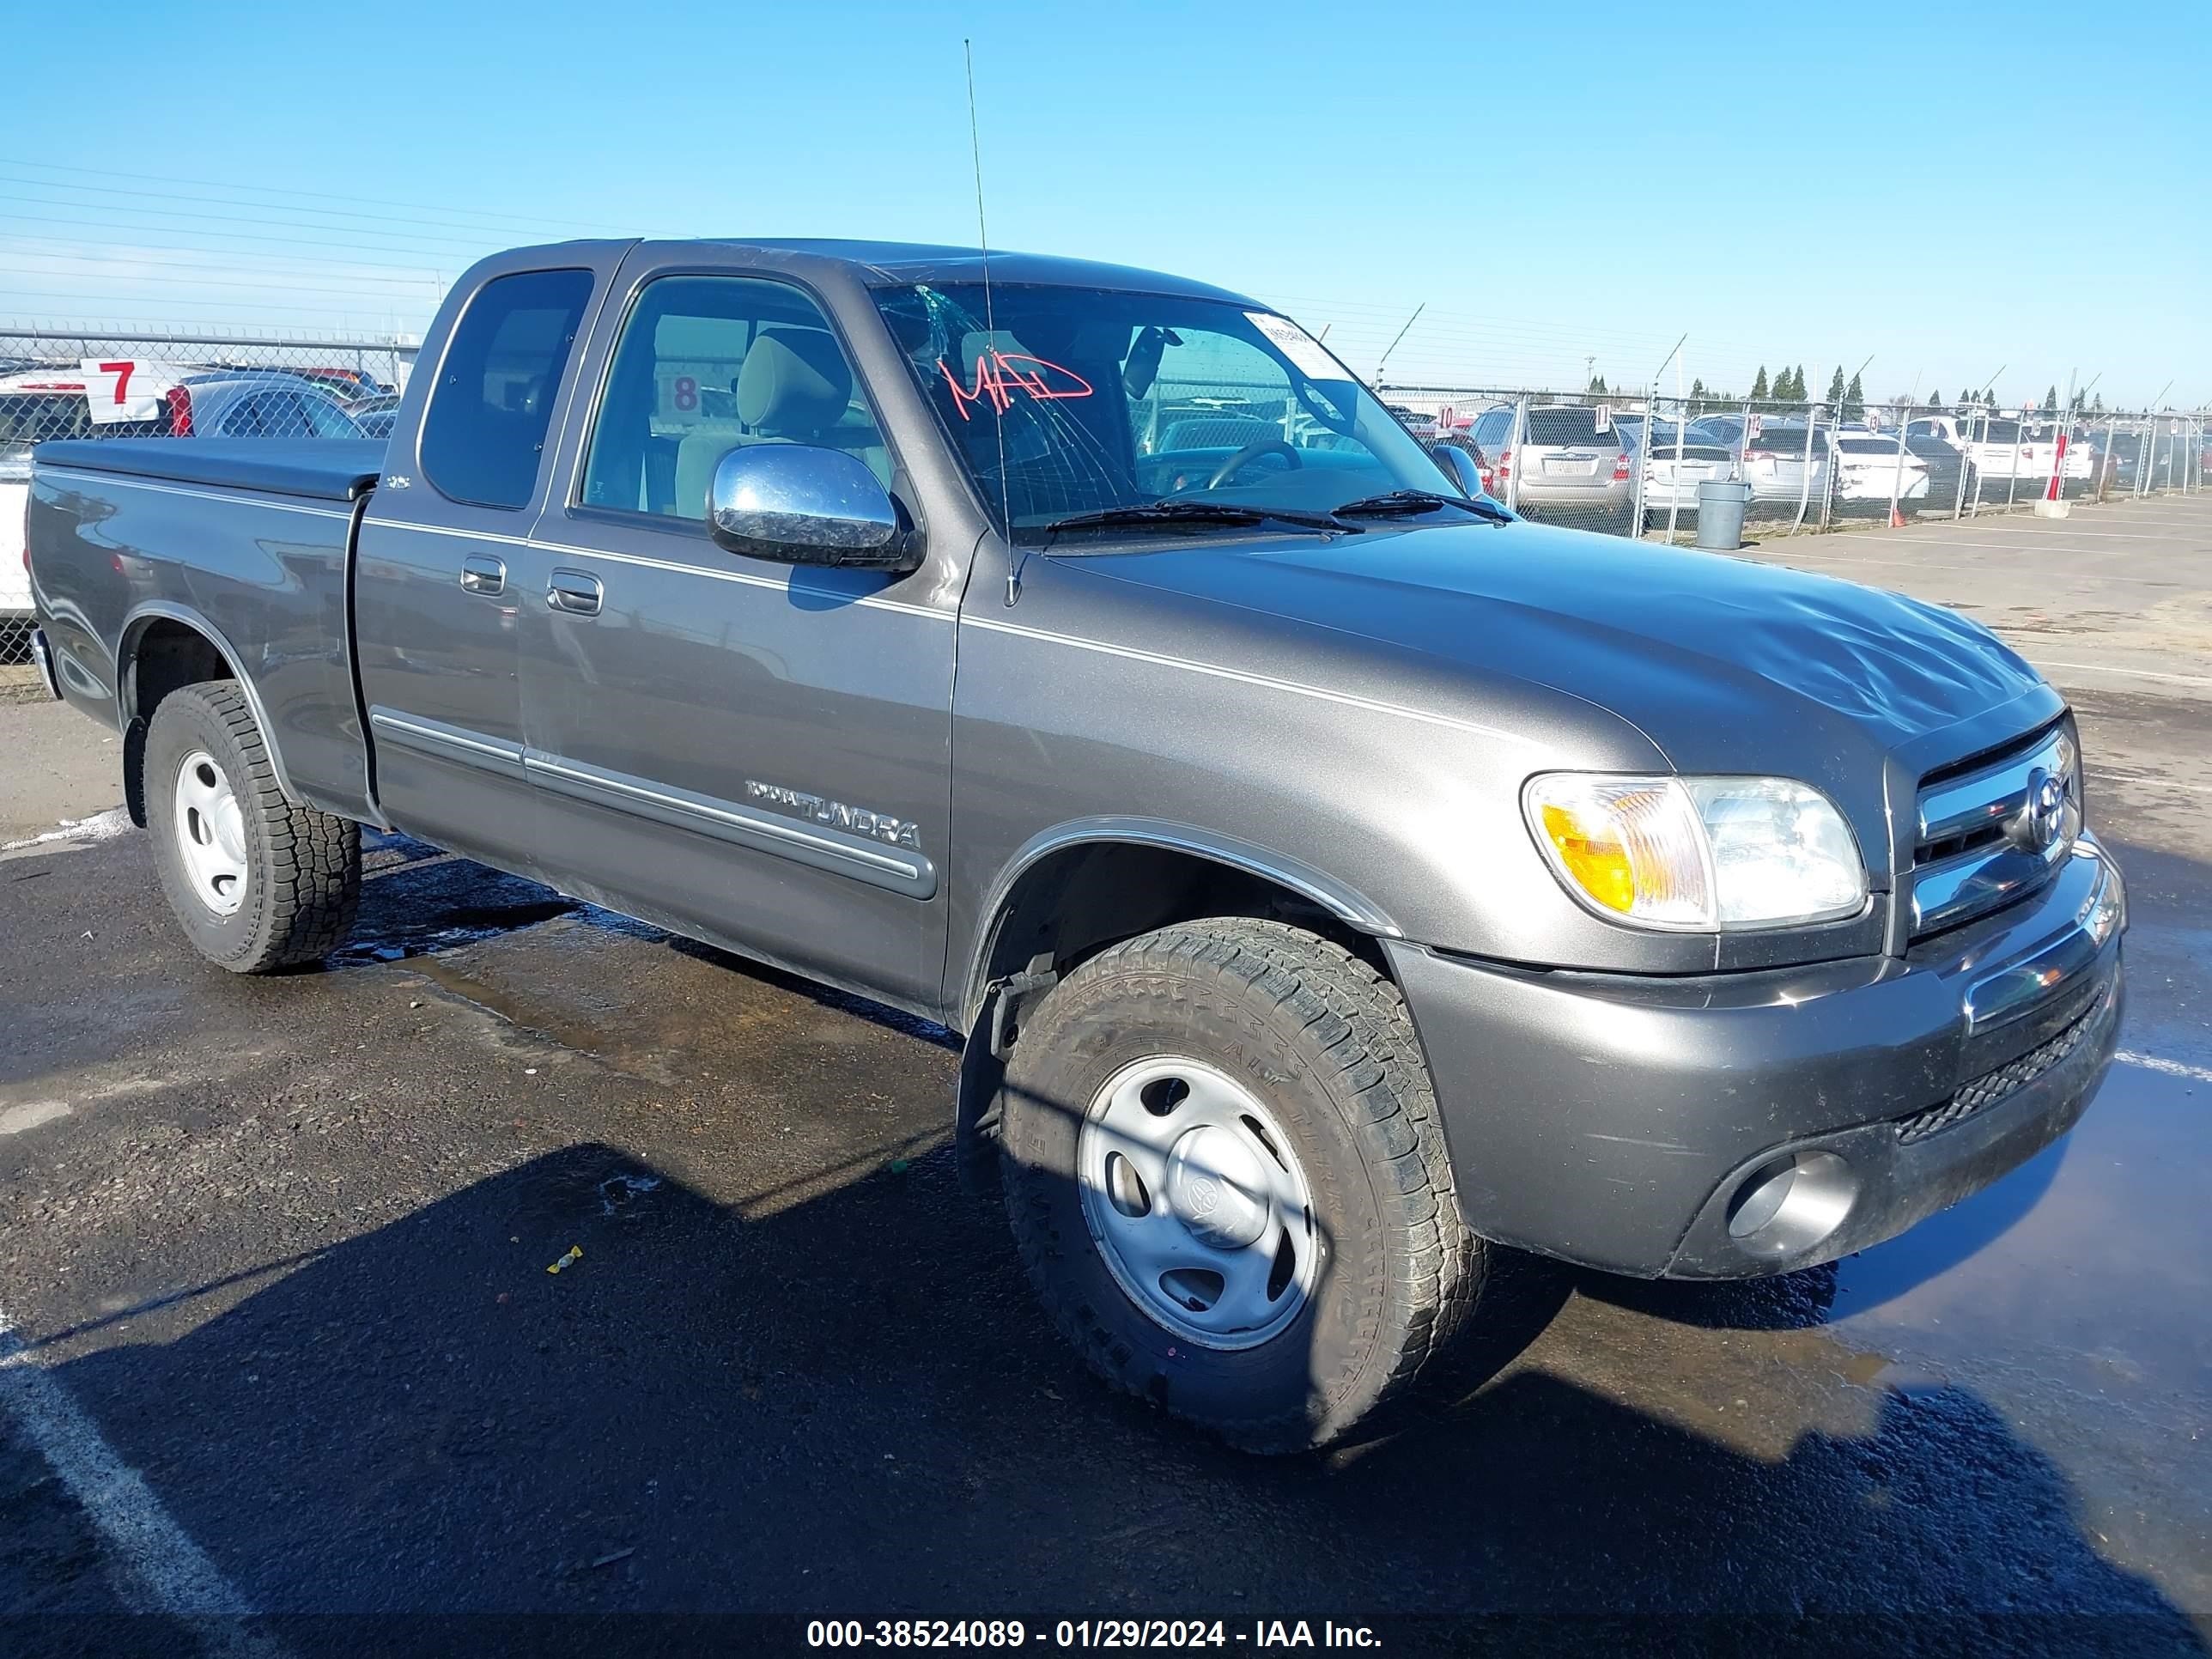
(1307, 355)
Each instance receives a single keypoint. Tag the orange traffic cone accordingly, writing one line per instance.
(1896, 518)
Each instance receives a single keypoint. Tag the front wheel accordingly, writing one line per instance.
(1228, 1182)
(257, 883)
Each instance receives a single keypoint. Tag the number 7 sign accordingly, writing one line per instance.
(115, 390)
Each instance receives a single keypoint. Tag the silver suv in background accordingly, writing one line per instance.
(1563, 467)
(1678, 460)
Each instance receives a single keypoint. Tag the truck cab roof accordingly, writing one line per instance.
(881, 264)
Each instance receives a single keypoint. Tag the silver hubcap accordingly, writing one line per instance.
(210, 833)
(1197, 1203)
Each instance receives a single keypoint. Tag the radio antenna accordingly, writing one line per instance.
(991, 327)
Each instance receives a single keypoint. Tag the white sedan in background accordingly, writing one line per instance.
(1671, 481)
(1781, 469)
(1867, 468)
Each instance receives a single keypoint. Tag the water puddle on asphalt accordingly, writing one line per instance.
(2094, 1259)
(416, 900)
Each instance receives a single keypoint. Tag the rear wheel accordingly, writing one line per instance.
(257, 883)
(1225, 1174)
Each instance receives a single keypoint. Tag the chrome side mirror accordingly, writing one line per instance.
(802, 504)
(1459, 466)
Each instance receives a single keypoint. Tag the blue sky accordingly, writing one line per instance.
(1947, 188)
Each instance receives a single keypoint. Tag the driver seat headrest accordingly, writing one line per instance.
(794, 384)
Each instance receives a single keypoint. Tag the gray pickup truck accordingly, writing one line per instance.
(1336, 879)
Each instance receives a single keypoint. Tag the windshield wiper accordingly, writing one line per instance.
(1401, 503)
(1171, 513)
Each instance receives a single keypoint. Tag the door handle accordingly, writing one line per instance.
(574, 592)
(481, 574)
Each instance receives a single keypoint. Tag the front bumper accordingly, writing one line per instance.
(1641, 1124)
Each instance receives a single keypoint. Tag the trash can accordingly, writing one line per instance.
(1720, 516)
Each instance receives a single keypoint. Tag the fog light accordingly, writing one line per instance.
(1792, 1204)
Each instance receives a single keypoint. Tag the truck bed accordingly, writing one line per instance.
(322, 469)
(243, 542)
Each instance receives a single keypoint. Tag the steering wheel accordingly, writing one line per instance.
(1245, 458)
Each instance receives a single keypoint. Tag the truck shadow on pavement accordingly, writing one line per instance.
(850, 1406)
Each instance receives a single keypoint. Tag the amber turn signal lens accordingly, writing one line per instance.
(1594, 854)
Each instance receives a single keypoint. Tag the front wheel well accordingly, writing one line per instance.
(1066, 909)
(1074, 903)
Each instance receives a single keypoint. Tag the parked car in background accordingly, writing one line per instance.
(1671, 478)
(1564, 468)
(274, 405)
(1784, 470)
(2169, 453)
(347, 384)
(2012, 455)
(38, 401)
(50, 401)
(1946, 468)
(37, 405)
(1871, 468)
(1422, 426)
(373, 416)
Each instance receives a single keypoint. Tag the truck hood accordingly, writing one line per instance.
(1724, 664)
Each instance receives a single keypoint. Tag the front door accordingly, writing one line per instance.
(437, 608)
(745, 751)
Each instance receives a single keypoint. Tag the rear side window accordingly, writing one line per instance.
(484, 432)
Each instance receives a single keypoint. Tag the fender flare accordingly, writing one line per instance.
(152, 611)
(1341, 899)
(982, 1072)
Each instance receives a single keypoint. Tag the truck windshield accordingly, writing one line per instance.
(1082, 401)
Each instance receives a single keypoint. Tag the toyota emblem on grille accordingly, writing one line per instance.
(2042, 819)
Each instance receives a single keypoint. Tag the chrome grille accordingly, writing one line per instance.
(1993, 833)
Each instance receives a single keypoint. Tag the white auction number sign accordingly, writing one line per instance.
(118, 389)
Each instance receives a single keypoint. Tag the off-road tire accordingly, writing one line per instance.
(303, 868)
(1326, 1041)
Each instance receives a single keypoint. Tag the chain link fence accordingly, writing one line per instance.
(1617, 462)
(55, 385)
(1633, 465)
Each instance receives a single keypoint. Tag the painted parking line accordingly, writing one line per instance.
(2140, 537)
(2168, 1068)
(1842, 563)
(164, 1571)
(2137, 781)
(2131, 673)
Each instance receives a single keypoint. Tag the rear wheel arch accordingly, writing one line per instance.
(166, 647)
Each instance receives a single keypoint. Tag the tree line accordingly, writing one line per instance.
(1788, 386)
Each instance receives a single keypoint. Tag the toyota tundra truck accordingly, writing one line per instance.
(1336, 880)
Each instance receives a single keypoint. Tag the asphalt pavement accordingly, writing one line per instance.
(284, 1366)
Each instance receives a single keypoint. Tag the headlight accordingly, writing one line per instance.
(1697, 854)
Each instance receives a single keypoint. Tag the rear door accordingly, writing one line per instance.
(437, 605)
